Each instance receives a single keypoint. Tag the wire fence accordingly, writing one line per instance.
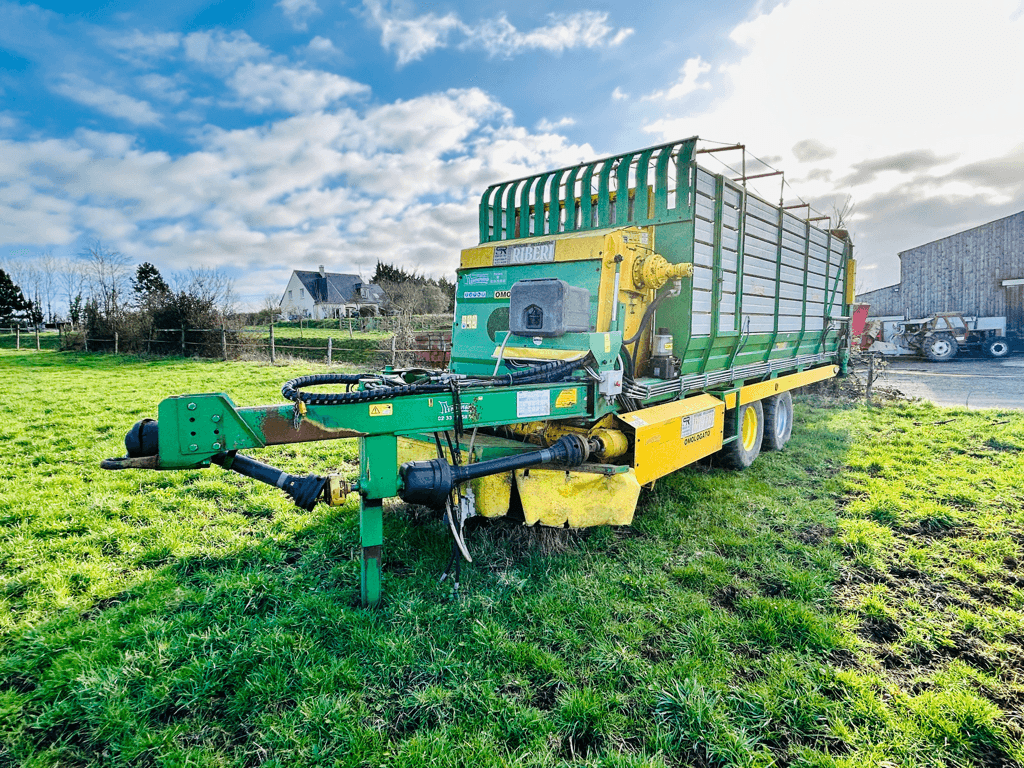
(394, 341)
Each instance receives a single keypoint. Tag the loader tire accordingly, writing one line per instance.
(940, 348)
(997, 347)
(778, 421)
(747, 425)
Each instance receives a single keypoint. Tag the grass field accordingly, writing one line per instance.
(856, 600)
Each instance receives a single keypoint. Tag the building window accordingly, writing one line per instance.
(302, 293)
(289, 295)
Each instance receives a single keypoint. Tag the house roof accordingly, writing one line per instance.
(337, 288)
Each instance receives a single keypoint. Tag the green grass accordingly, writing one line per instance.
(47, 340)
(851, 601)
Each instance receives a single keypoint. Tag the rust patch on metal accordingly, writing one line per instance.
(372, 553)
(278, 429)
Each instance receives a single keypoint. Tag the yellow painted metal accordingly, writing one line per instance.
(672, 435)
(338, 490)
(640, 269)
(491, 494)
(748, 429)
(851, 277)
(582, 499)
(613, 442)
(653, 271)
(752, 392)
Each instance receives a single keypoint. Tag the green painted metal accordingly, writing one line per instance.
(596, 208)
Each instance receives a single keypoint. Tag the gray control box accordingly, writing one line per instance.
(547, 306)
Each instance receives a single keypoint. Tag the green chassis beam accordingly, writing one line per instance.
(194, 428)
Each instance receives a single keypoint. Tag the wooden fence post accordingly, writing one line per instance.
(330, 349)
(183, 342)
(393, 350)
(224, 342)
(17, 338)
(349, 328)
(272, 356)
(37, 338)
(116, 343)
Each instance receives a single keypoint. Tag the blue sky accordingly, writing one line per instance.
(262, 137)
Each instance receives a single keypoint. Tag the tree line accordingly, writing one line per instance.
(102, 293)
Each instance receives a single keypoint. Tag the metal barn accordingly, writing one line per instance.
(978, 272)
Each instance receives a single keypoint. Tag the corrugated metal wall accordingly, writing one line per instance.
(962, 272)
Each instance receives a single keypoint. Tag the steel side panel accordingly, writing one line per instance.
(660, 445)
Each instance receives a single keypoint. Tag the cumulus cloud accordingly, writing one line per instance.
(809, 150)
(396, 181)
(413, 37)
(106, 100)
(298, 12)
(687, 83)
(264, 86)
(546, 126)
(896, 97)
(587, 29)
(321, 45)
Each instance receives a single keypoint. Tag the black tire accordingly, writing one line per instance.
(940, 348)
(740, 454)
(778, 421)
(997, 347)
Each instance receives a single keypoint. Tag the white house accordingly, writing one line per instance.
(321, 295)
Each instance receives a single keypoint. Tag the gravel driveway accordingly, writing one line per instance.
(972, 382)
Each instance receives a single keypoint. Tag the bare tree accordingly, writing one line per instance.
(49, 269)
(209, 285)
(107, 272)
(842, 213)
(72, 281)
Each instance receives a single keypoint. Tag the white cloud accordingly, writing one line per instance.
(164, 88)
(546, 126)
(886, 101)
(689, 75)
(265, 86)
(223, 51)
(139, 46)
(413, 37)
(397, 181)
(106, 100)
(587, 29)
(619, 95)
(298, 12)
(321, 45)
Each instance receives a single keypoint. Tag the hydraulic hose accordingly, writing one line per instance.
(292, 390)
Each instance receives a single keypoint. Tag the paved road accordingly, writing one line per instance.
(972, 382)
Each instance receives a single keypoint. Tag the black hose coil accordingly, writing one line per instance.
(546, 372)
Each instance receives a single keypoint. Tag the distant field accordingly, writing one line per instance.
(855, 600)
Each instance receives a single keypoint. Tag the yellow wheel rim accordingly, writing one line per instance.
(748, 430)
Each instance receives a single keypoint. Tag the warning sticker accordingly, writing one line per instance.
(381, 409)
(468, 322)
(607, 343)
(697, 422)
(566, 398)
(532, 404)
